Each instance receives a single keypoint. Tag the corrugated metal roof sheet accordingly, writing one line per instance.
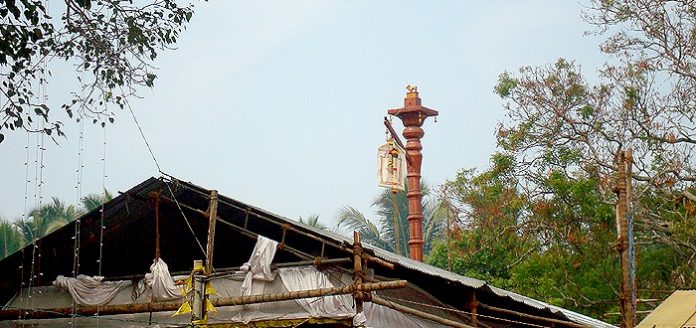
(677, 311)
(475, 283)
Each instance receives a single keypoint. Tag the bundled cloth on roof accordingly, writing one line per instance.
(160, 282)
(93, 291)
(86, 290)
(259, 264)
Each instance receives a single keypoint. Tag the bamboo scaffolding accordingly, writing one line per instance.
(317, 262)
(255, 236)
(232, 270)
(249, 210)
(17, 313)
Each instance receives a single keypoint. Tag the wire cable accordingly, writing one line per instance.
(101, 209)
(142, 134)
(159, 169)
(186, 220)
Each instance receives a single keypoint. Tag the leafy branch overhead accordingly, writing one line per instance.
(111, 43)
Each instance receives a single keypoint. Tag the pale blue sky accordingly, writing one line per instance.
(280, 103)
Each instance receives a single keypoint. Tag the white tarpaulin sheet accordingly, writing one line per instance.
(304, 278)
(257, 278)
(160, 282)
(86, 290)
(259, 264)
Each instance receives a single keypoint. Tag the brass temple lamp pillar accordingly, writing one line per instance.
(413, 114)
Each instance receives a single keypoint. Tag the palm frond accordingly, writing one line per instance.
(94, 201)
(313, 221)
(354, 220)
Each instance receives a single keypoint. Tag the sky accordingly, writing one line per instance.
(280, 104)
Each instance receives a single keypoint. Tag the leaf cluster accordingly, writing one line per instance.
(112, 44)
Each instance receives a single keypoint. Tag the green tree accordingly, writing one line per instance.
(557, 245)
(383, 233)
(488, 239)
(112, 43)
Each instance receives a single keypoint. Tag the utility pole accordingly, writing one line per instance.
(413, 114)
(624, 161)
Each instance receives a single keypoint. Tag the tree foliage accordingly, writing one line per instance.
(10, 238)
(541, 219)
(112, 44)
(558, 243)
(43, 220)
(487, 240)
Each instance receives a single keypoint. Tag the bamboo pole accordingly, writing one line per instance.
(401, 308)
(350, 289)
(255, 236)
(531, 317)
(629, 233)
(622, 246)
(317, 262)
(212, 216)
(231, 270)
(16, 313)
(357, 270)
(474, 309)
(157, 228)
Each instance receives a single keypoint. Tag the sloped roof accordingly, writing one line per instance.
(448, 275)
(677, 311)
(465, 281)
(130, 253)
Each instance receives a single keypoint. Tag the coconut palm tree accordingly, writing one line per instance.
(46, 219)
(391, 228)
(10, 238)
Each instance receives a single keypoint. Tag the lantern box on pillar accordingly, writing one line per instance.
(391, 166)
